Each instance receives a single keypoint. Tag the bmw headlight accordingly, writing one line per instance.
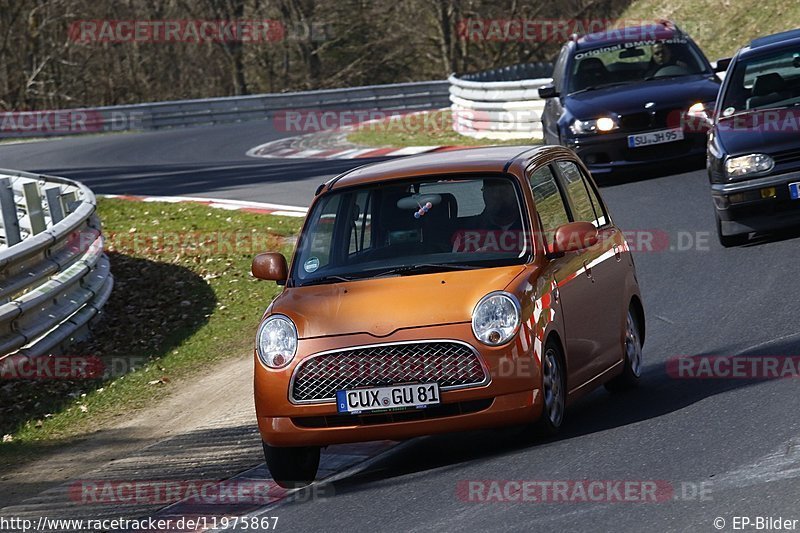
(737, 167)
(276, 341)
(598, 125)
(496, 318)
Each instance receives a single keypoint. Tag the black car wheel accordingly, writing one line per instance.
(292, 467)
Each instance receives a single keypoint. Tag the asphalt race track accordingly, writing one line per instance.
(727, 447)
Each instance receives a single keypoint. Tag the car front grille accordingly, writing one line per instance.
(664, 118)
(787, 156)
(451, 364)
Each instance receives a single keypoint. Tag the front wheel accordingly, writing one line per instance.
(554, 389)
(292, 467)
(632, 368)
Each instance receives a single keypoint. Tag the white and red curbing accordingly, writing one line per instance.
(261, 208)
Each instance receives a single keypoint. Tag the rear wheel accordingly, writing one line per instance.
(729, 241)
(632, 369)
(554, 390)
(292, 467)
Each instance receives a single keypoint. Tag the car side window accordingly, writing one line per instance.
(558, 69)
(549, 202)
(583, 199)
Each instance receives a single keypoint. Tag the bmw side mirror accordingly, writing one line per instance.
(722, 64)
(548, 91)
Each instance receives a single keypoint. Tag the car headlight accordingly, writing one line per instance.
(746, 165)
(702, 110)
(276, 341)
(598, 125)
(496, 318)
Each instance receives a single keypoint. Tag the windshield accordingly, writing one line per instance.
(632, 62)
(412, 227)
(766, 81)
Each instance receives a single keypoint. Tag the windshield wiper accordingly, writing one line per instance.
(596, 87)
(328, 279)
(424, 266)
(651, 78)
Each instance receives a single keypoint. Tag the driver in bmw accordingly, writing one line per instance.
(662, 57)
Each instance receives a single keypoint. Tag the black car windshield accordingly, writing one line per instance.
(630, 62)
(412, 227)
(765, 81)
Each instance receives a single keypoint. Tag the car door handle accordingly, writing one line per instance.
(617, 253)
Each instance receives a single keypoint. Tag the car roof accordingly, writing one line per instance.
(487, 159)
(771, 42)
(656, 30)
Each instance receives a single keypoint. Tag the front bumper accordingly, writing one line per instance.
(511, 397)
(742, 207)
(608, 153)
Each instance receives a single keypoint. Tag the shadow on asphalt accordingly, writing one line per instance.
(644, 174)
(658, 395)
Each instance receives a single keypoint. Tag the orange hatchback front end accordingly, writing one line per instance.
(425, 296)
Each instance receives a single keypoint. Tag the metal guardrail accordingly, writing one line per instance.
(159, 115)
(54, 276)
(500, 104)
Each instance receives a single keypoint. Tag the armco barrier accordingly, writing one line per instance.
(500, 104)
(159, 115)
(54, 276)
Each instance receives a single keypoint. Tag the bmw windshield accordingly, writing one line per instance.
(630, 62)
(410, 227)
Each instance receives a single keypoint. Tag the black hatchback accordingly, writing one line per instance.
(754, 142)
(620, 98)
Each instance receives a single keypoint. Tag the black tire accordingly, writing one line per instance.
(632, 353)
(554, 390)
(292, 467)
(729, 241)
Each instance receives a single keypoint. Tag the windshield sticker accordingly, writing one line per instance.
(728, 111)
(627, 45)
(311, 265)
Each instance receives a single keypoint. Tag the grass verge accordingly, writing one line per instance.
(183, 299)
(720, 28)
(434, 128)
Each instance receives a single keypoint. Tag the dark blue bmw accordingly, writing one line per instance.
(621, 98)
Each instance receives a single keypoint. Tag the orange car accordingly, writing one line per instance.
(444, 292)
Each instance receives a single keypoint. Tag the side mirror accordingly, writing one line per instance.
(573, 237)
(722, 64)
(270, 266)
(548, 91)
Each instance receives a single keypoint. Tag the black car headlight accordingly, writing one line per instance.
(596, 125)
(748, 165)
